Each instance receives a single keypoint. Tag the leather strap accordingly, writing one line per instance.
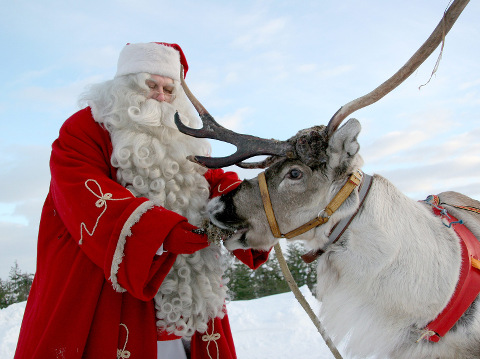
(341, 226)
(354, 180)
(352, 183)
(267, 205)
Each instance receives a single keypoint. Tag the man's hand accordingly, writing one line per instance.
(181, 239)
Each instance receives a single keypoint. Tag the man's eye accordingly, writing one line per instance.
(295, 174)
(169, 91)
(151, 85)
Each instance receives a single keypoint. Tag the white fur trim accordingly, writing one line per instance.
(152, 58)
(119, 251)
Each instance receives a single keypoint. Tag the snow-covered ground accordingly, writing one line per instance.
(269, 327)
(10, 320)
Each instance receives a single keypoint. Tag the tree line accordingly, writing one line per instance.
(15, 289)
(244, 283)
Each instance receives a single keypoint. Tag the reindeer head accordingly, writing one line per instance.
(305, 171)
(303, 175)
(299, 189)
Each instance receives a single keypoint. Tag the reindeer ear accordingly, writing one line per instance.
(345, 138)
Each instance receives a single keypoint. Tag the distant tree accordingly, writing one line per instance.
(16, 288)
(241, 283)
(4, 294)
(245, 283)
(303, 273)
(20, 283)
(269, 278)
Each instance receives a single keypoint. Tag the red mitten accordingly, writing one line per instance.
(181, 239)
(221, 182)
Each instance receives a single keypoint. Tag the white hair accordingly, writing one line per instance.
(150, 156)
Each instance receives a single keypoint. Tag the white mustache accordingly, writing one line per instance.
(154, 113)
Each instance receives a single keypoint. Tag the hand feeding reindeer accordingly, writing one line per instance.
(391, 279)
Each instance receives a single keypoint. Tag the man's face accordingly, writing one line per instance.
(161, 88)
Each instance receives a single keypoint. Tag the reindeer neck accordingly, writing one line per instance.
(393, 270)
(396, 237)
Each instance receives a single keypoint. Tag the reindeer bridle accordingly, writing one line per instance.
(353, 182)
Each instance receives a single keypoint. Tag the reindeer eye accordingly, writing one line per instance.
(294, 174)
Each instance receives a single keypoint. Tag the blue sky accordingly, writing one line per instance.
(268, 68)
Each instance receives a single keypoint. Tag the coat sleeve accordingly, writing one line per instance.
(117, 231)
(221, 183)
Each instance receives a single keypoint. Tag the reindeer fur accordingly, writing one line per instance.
(392, 271)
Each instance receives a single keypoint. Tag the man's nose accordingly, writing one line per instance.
(159, 96)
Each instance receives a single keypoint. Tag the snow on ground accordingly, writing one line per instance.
(276, 327)
(10, 321)
(269, 327)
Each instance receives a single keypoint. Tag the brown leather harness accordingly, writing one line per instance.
(356, 179)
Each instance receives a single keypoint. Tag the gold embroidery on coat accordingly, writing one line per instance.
(101, 202)
(219, 190)
(212, 337)
(122, 353)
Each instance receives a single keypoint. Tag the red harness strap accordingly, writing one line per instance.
(468, 286)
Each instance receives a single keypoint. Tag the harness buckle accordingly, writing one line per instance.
(358, 176)
(323, 211)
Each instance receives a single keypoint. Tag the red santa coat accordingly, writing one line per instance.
(97, 268)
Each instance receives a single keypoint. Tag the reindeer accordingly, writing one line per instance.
(390, 269)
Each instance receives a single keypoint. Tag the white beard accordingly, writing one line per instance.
(150, 156)
(151, 161)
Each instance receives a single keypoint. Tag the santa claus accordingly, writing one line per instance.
(119, 270)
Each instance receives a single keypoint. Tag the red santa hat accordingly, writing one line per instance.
(156, 58)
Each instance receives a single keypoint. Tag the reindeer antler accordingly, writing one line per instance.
(247, 145)
(438, 35)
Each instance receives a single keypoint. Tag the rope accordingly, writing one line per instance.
(425, 334)
(303, 302)
(467, 208)
(439, 58)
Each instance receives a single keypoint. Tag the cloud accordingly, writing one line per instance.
(18, 243)
(57, 97)
(257, 32)
(392, 143)
(29, 76)
(7, 214)
(336, 71)
(24, 184)
(470, 98)
(235, 121)
(430, 167)
(468, 85)
(459, 174)
(25, 174)
(102, 57)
